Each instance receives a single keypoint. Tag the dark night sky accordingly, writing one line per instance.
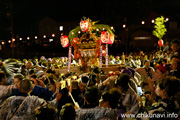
(28, 13)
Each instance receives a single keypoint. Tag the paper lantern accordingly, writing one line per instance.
(160, 42)
(111, 39)
(104, 37)
(64, 41)
(84, 25)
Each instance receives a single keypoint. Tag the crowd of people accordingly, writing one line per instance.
(147, 83)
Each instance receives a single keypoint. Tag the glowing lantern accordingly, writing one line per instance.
(104, 37)
(84, 25)
(160, 42)
(111, 39)
(64, 41)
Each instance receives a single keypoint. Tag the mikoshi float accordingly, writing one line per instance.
(87, 40)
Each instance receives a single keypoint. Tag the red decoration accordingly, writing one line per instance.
(84, 25)
(110, 73)
(75, 40)
(160, 42)
(75, 54)
(104, 37)
(111, 39)
(64, 41)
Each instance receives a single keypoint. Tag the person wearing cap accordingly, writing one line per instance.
(146, 72)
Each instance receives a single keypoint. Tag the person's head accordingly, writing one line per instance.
(130, 57)
(26, 85)
(29, 65)
(96, 70)
(46, 113)
(93, 79)
(145, 57)
(52, 85)
(122, 81)
(174, 63)
(67, 112)
(110, 98)
(17, 79)
(92, 95)
(117, 58)
(62, 59)
(164, 61)
(160, 72)
(146, 63)
(127, 71)
(167, 87)
(137, 57)
(2, 78)
(167, 43)
(175, 45)
(83, 82)
(165, 54)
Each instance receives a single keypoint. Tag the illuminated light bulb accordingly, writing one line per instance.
(143, 22)
(167, 19)
(152, 21)
(53, 35)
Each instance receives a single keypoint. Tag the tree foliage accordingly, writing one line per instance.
(160, 29)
